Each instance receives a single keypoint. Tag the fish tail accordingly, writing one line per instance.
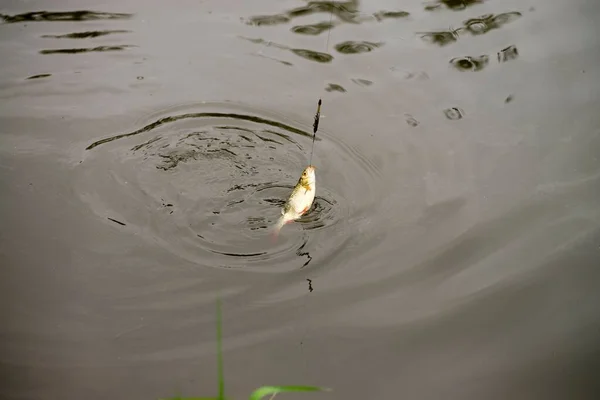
(275, 231)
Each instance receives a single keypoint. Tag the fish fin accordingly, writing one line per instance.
(305, 210)
(275, 231)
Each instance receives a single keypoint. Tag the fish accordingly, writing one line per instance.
(300, 200)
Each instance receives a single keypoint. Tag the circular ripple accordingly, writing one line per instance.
(209, 184)
(351, 47)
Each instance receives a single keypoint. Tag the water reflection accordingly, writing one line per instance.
(334, 87)
(261, 20)
(352, 47)
(39, 76)
(507, 54)
(381, 15)
(313, 55)
(362, 82)
(441, 38)
(304, 53)
(474, 26)
(63, 16)
(488, 22)
(86, 50)
(314, 29)
(452, 4)
(470, 63)
(84, 35)
(454, 113)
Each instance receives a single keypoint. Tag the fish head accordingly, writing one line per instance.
(308, 177)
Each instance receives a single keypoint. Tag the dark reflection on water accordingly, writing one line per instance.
(84, 35)
(346, 11)
(381, 15)
(452, 4)
(352, 47)
(313, 55)
(470, 63)
(508, 53)
(86, 50)
(314, 29)
(362, 82)
(63, 16)
(474, 26)
(441, 38)
(268, 20)
(39, 76)
(453, 113)
(334, 87)
(488, 22)
(304, 53)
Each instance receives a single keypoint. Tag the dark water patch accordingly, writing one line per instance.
(84, 35)
(63, 16)
(352, 47)
(470, 63)
(268, 20)
(362, 82)
(455, 5)
(411, 121)
(334, 87)
(86, 50)
(454, 113)
(310, 287)
(313, 55)
(441, 38)
(301, 253)
(488, 22)
(381, 15)
(346, 11)
(507, 54)
(313, 29)
(38, 76)
(116, 221)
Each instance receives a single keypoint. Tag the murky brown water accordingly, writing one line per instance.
(453, 251)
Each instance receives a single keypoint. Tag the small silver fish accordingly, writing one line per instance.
(299, 201)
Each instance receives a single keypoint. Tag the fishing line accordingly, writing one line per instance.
(312, 151)
(318, 113)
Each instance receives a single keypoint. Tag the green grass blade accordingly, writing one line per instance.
(220, 352)
(267, 390)
(191, 398)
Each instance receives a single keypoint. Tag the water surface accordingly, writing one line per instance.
(452, 250)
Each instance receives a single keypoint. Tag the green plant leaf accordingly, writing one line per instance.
(220, 351)
(266, 390)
